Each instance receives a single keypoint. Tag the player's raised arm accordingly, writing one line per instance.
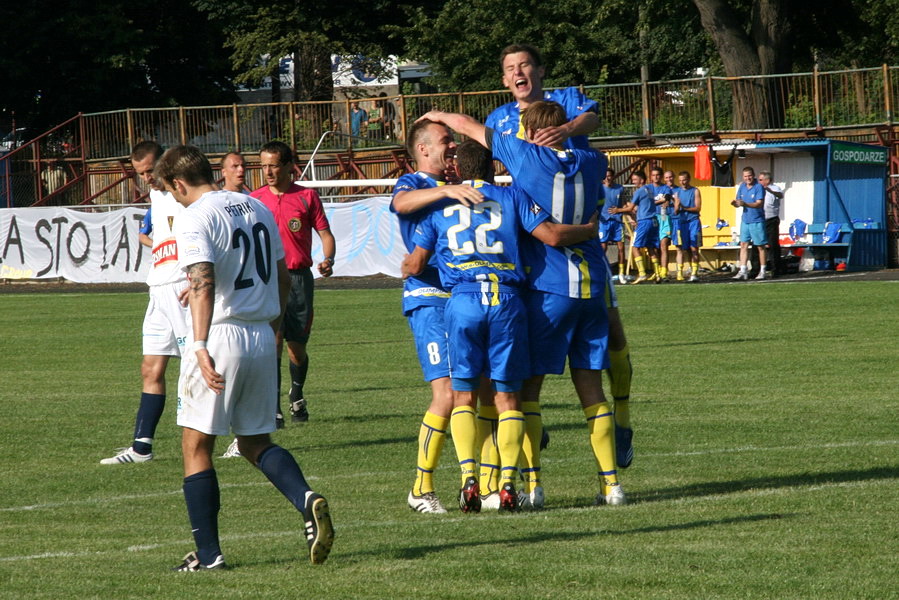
(467, 126)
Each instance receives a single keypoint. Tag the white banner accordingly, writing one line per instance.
(103, 247)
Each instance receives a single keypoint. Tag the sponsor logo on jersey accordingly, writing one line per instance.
(165, 252)
(295, 224)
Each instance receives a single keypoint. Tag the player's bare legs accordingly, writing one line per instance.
(600, 424)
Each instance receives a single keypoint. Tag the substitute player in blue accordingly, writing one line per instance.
(687, 206)
(610, 229)
(646, 235)
(477, 251)
(522, 73)
(567, 303)
(751, 198)
(415, 196)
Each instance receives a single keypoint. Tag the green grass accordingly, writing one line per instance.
(766, 461)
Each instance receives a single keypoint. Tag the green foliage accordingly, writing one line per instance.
(765, 461)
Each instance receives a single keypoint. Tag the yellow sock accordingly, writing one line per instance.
(487, 420)
(656, 267)
(530, 447)
(680, 269)
(695, 269)
(641, 267)
(509, 434)
(431, 436)
(620, 372)
(465, 439)
(600, 424)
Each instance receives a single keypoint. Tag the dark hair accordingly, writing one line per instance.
(610, 170)
(515, 48)
(542, 114)
(417, 134)
(187, 163)
(684, 173)
(749, 170)
(474, 161)
(640, 173)
(285, 154)
(144, 149)
(659, 169)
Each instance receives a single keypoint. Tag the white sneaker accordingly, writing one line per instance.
(760, 276)
(743, 275)
(490, 501)
(232, 450)
(693, 279)
(615, 497)
(426, 503)
(621, 278)
(126, 455)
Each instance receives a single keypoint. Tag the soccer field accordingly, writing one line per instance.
(766, 460)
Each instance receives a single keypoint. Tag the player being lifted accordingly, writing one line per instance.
(523, 69)
(567, 302)
(415, 196)
(479, 262)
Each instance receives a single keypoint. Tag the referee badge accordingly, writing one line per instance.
(295, 224)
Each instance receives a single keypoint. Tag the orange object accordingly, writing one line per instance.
(841, 266)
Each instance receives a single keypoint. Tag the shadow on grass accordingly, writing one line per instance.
(417, 552)
(764, 483)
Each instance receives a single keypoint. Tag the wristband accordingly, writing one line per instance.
(330, 259)
(199, 345)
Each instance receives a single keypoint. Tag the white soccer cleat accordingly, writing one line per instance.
(531, 501)
(693, 279)
(615, 496)
(760, 276)
(622, 279)
(490, 501)
(426, 503)
(233, 451)
(126, 455)
(742, 275)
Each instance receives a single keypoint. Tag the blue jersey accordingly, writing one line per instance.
(658, 193)
(480, 243)
(423, 289)
(505, 119)
(752, 193)
(687, 198)
(565, 184)
(146, 225)
(612, 200)
(644, 201)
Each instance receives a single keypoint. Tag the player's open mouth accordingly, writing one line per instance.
(521, 83)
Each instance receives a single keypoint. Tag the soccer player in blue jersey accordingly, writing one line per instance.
(610, 224)
(415, 196)
(687, 205)
(479, 261)
(567, 303)
(662, 194)
(751, 197)
(522, 73)
(646, 235)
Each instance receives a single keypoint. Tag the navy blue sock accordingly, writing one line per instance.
(201, 492)
(284, 472)
(148, 414)
(298, 379)
(279, 386)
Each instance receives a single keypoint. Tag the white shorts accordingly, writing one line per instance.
(244, 355)
(166, 323)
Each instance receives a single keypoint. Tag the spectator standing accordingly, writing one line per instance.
(773, 195)
(358, 120)
(751, 198)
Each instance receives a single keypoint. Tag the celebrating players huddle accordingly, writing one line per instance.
(494, 274)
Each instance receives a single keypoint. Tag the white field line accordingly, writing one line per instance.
(351, 525)
(737, 450)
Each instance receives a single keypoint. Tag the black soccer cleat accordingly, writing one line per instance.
(298, 411)
(319, 529)
(192, 563)
(470, 496)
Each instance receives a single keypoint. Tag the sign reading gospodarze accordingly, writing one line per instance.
(861, 155)
(104, 247)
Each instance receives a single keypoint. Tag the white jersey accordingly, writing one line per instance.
(238, 235)
(163, 210)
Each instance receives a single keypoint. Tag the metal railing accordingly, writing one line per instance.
(84, 160)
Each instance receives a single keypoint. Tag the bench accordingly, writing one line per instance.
(843, 249)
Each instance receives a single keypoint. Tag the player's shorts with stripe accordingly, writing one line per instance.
(753, 232)
(429, 333)
(665, 229)
(244, 355)
(561, 327)
(298, 314)
(609, 231)
(647, 233)
(690, 233)
(488, 333)
(166, 322)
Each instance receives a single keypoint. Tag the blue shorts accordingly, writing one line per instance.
(690, 233)
(647, 234)
(609, 231)
(429, 333)
(561, 327)
(487, 338)
(753, 232)
(611, 295)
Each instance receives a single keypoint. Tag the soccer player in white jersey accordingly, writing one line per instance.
(239, 283)
(165, 322)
